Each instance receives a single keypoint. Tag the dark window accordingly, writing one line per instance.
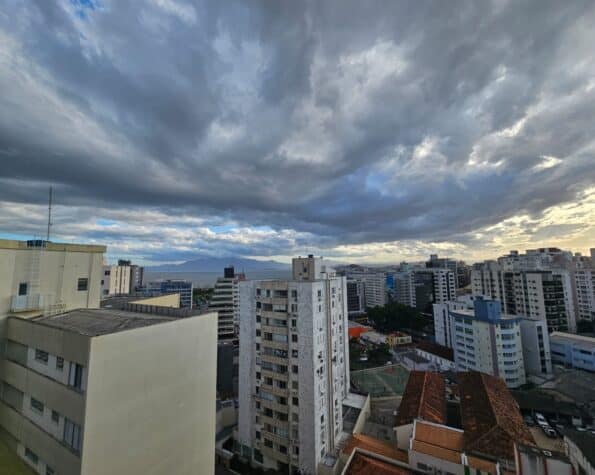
(55, 417)
(59, 363)
(31, 456)
(23, 288)
(49, 470)
(41, 356)
(36, 405)
(83, 284)
(75, 377)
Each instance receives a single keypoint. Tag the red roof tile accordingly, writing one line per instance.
(490, 416)
(376, 446)
(423, 399)
(362, 464)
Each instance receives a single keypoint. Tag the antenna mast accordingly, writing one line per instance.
(49, 214)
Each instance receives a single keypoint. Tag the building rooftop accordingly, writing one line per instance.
(423, 399)
(50, 246)
(364, 463)
(96, 322)
(436, 349)
(490, 416)
(438, 441)
(377, 446)
(572, 338)
(585, 441)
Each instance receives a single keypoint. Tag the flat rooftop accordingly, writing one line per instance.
(96, 322)
(50, 246)
(580, 340)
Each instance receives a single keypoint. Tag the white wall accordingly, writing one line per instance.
(150, 404)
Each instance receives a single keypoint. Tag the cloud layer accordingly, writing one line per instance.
(369, 130)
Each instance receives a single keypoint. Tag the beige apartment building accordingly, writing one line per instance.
(45, 277)
(96, 391)
(102, 391)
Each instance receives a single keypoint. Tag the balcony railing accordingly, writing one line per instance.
(24, 303)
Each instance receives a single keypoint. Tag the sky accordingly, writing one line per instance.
(374, 131)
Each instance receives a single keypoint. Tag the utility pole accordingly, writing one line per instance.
(49, 214)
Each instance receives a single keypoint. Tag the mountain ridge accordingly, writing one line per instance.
(216, 264)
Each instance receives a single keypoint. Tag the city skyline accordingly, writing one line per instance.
(309, 128)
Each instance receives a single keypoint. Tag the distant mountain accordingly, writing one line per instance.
(216, 264)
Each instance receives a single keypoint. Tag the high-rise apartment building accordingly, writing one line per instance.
(98, 391)
(173, 286)
(530, 285)
(294, 367)
(356, 299)
(422, 287)
(226, 301)
(483, 339)
(121, 279)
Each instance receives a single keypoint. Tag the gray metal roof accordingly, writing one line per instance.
(95, 322)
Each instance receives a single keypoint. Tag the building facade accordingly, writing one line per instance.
(575, 351)
(226, 302)
(40, 277)
(294, 367)
(71, 384)
(356, 300)
(536, 346)
(485, 340)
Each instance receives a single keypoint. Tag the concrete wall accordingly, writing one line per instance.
(151, 400)
(169, 300)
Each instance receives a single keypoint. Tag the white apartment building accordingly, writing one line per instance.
(536, 346)
(584, 284)
(294, 368)
(226, 302)
(116, 280)
(445, 285)
(544, 294)
(485, 340)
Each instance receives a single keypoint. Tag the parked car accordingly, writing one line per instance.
(540, 419)
(550, 432)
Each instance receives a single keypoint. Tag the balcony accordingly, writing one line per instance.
(25, 303)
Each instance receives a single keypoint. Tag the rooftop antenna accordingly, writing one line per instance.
(49, 214)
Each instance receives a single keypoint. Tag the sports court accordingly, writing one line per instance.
(382, 381)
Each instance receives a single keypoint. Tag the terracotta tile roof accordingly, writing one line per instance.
(438, 441)
(441, 436)
(376, 446)
(423, 399)
(362, 464)
(485, 466)
(490, 416)
(436, 349)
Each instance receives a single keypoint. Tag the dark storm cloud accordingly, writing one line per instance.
(347, 122)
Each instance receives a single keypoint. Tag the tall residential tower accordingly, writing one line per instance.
(294, 367)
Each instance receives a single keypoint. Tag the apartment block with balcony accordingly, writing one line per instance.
(294, 368)
(98, 391)
(225, 301)
(485, 340)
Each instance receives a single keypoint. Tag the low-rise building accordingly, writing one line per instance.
(573, 351)
(71, 387)
(440, 356)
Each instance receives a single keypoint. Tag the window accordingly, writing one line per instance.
(295, 401)
(75, 377)
(72, 434)
(55, 417)
(36, 405)
(23, 288)
(82, 284)
(59, 363)
(41, 356)
(31, 456)
(107, 272)
(294, 338)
